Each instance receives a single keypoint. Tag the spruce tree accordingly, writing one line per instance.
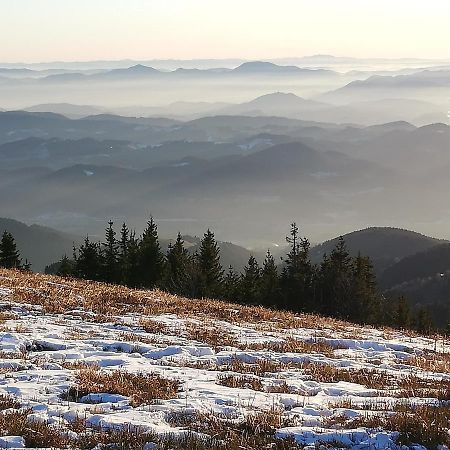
(211, 273)
(9, 255)
(424, 322)
(110, 256)
(88, 263)
(177, 267)
(365, 300)
(402, 315)
(151, 259)
(124, 243)
(194, 277)
(131, 262)
(65, 268)
(249, 283)
(231, 285)
(341, 280)
(270, 283)
(298, 274)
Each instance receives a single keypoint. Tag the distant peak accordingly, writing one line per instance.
(141, 68)
(263, 66)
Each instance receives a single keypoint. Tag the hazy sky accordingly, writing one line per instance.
(43, 30)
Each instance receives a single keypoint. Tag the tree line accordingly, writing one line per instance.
(340, 286)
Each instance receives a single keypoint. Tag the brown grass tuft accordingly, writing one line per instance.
(140, 388)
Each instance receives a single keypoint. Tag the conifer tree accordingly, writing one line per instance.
(124, 239)
(365, 300)
(131, 262)
(270, 283)
(194, 278)
(65, 267)
(249, 283)
(298, 273)
(88, 260)
(123, 243)
(424, 323)
(110, 255)
(177, 267)
(402, 315)
(151, 259)
(339, 289)
(9, 255)
(211, 273)
(231, 285)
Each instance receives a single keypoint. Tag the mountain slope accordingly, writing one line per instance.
(40, 245)
(384, 245)
(432, 84)
(275, 104)
(431, 262)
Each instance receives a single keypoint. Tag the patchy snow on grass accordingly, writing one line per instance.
(338, 386)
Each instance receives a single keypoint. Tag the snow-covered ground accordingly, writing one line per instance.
(229, 370)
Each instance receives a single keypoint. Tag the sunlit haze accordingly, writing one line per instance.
(49, 30)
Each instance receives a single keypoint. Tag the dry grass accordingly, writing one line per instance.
(153, 326)
(431, 362)
(240, 382)
(408, 386)
(255, 432)
(413, 386)
(38, 434)
(426, 425)
(254, 383)
(292, 345)
(136, 337)
(208, 334)
(140, 388)
(79, 365)
(10, 355)
(107, 301)
(370, 378)
(7, 315)
(261, 367)
(8, 402)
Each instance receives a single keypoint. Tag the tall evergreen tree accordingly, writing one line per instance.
(211, 273)
(231, 285)
(270, 283)
(131, 263)
(423, 322)
(9, 255)
(402, 314)
(88, 263)
(110, 256)
(194, 277)
(249, 283)
(124, 243)
(298, 274)
(177, 267)
(365, 300)
(336, 281)
(65, 268)
(151, 259)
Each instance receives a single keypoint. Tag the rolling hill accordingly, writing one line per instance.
(39, 245)
(386, 246)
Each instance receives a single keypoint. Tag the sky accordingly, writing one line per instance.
(75, 30)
